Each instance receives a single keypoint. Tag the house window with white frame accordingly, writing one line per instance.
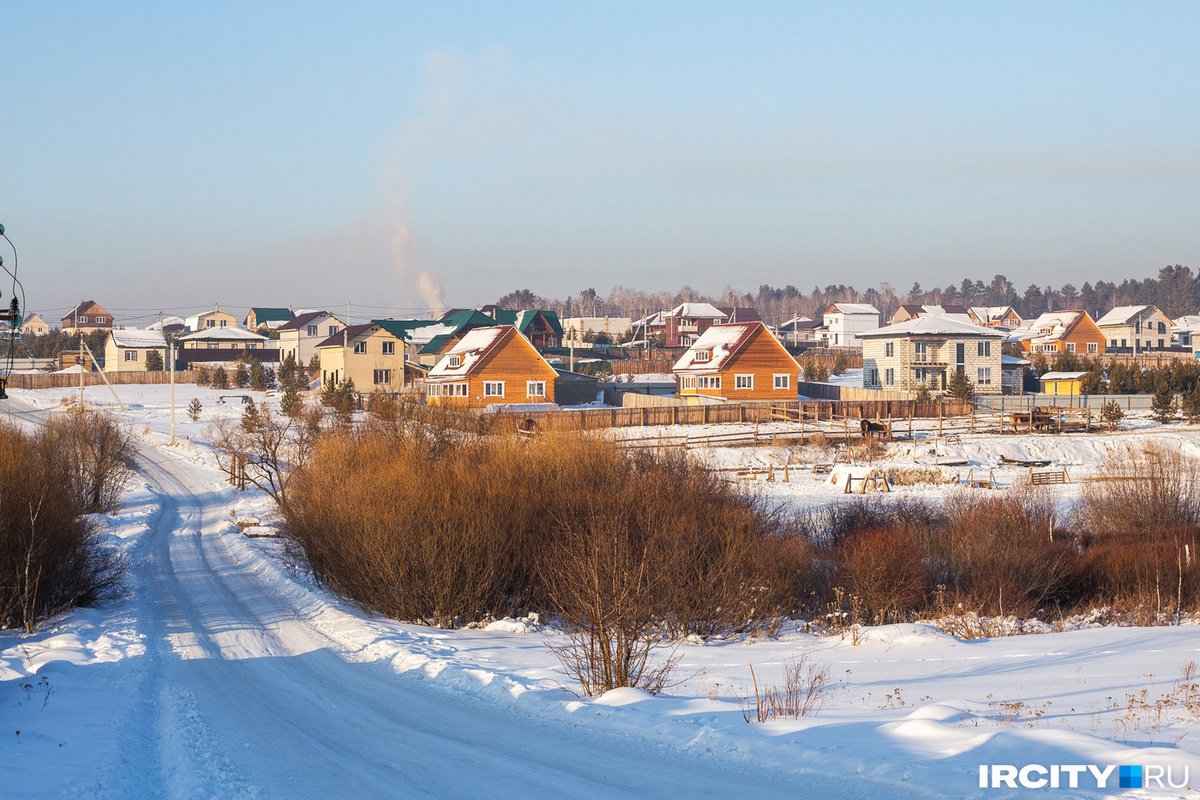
(131, 355)
(783, 381)
(889, 376)
(360, 348)
(334, 330)
(984, 376)
(743, 381)
(455, 361)
(1093, 347)
(389, 348)
(83, 320)
(535, 388)
(493, 388)
(224, 323)
(688, 382)
(312, 330)
(383, 377)
(920, 351)
(983, 349)
(101, 320)
(872, 377)
(919, 374)
(889, 349)
(1070, 347)
(709, 382)
(703, 355)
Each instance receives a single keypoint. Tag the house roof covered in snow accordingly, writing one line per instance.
(227, 334)
(933, 325)
(718, 346)
(1062, 376)
(696, 311)
(136, 337)
(470, 350)
(852, 308)
(1051, 326)
(1122, 315)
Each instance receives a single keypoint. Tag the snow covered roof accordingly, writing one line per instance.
(135, 337)
(426, 333)
(989, 313)
(1122, 315)
(1052, 326)
(697, 311)
(223, 334)
(933, 325)
(1063, 376)
(470, 350)
(1012, 361)
(1187, 321)
(718, 346)
(852, 308)
(166, 322)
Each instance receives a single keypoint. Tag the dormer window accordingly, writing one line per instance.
(455, 361)
(703, 355)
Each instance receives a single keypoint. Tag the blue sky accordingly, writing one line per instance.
(174, 155)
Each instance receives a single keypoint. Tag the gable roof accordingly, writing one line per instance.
(435, 344)
(468, 316)
(402, 328)
(265, 314)
(852, 308)
(1051, 326)
(1122, 315)
(724, 342)
(696, 310)
(301, 320)
(345, 334)
(521, 320)
(799, 324)
(740, 313)
(136, 337)
(933, 325)
(473, 348)
(1062, 376)
(82, 307)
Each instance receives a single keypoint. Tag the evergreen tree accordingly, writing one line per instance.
(1112, 414)
(258, 381)
(154, 361)
(922, 393)
(1163, 406)
(841, 363)
(291, 403)
(960, 387)
(1191, 404)
(193, 409)
(241, 375)
(220, 378)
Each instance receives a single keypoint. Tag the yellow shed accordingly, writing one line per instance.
(1062, 383)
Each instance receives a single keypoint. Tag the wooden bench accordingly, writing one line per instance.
(971, 482)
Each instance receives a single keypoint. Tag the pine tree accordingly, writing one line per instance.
(154, 361)
(241, 376)
(816, 371)
(922, 393)
(258, 381)
(1191, 404)
(960, 387)
(1163, 406)
(1112, 414)
(841, 363)
(193, 409)
(291, 403)
(220, 378)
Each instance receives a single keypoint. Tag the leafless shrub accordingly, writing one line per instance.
(805, 684)
(97, 455)
(884, 572)
(50, 556)
(1142, 487)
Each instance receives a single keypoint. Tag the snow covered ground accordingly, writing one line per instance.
(224, 673)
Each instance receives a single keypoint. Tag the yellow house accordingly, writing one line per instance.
(126, 349)
(369, 355)
(211, 319)
(1063, 383)
(34, 325)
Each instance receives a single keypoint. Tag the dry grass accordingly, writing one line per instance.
(803, 692)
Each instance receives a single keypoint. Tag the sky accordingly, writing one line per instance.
(403, 156)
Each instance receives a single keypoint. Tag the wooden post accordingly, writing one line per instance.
(940, 404)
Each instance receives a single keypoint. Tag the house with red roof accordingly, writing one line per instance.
(495, 365)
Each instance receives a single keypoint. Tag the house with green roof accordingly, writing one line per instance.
(542, 328)
(264, 317)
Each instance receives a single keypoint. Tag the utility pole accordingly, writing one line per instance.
(171, 357)
(81, 361)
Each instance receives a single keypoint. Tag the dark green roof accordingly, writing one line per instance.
(435, 344)
(521, 320)
(471, 317)
(265, 314)
(401, 327)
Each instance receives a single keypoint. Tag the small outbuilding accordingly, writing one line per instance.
(1062, 383)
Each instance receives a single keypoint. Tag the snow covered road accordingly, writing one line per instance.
(236, 694)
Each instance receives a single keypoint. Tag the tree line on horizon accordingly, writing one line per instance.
(1175, 290)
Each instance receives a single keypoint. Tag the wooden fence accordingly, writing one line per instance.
(69, 380)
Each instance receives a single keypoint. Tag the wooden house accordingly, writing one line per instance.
(737, 361)
(34, 325)
(225, 344)
(685, 323)
(266, 318)
(996, 317)
(541, 328)
(1061, 332)
(211, 319)
(1062, 383)
(88, 316)
(491, 366)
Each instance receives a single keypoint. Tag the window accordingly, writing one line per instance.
(131, 355)
(688, 382)
(233, 345)
(984, 376)
(456, 361)
(1093, 347)
(872, 377)
(334, 330)
(383, 376)
(703, 355)
(535, 388)
(389, 348)
(224, 323)
(312, 330)
(921, 350)
(743, 381)
(1112, 343)
(213, 346)
(889, 349)
(102, 320)
(709, 382)
(493, 388)
(1070, 347)
(83, 319)
(983, 349)
(919, 373)
(360, 348)
(208, 323)
(889, 376)
(1162, 327)
(783, 381)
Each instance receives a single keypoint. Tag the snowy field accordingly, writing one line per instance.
(224, 673)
